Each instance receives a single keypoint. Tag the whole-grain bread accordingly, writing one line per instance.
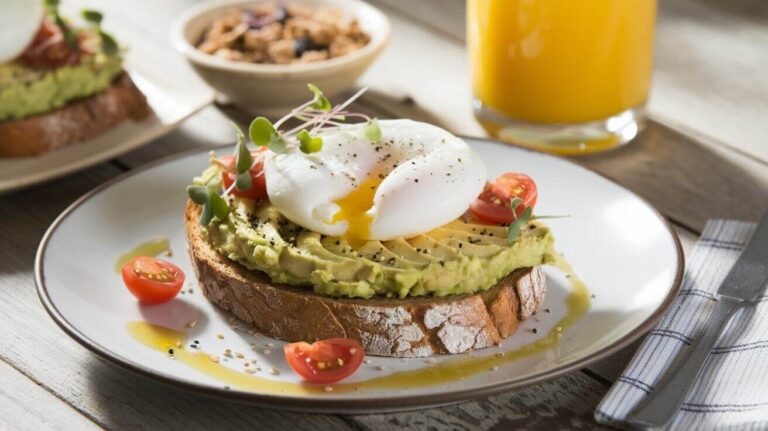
(408, 327)
(77, 121)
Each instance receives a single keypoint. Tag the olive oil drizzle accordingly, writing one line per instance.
(153, 248)
(167, 340)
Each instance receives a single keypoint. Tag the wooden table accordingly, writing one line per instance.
(703, 155)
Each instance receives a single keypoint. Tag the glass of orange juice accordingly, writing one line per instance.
(566, 76)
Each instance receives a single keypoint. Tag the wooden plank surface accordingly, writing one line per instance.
(563, 403)
(26, 406)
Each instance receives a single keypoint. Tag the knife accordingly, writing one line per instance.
(745, 282)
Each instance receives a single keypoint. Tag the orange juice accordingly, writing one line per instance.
(560, 61)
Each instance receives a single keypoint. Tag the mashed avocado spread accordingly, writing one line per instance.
(458, 258)
(26, 91)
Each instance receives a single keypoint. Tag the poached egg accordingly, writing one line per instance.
(416, 178)
(19, 22)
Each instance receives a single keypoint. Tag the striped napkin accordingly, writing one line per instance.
(733, 392)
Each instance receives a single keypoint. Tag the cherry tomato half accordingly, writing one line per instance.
(151, 280)
(325, 361)
(48, 49)
(494, 203)
(258, 188)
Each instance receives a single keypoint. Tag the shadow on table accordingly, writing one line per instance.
(753, 10)
(123, 400)
(372, 102)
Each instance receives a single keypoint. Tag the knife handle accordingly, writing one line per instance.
(661, 404)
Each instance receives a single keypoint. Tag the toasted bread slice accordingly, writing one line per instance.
(408, 327)
(75, 122)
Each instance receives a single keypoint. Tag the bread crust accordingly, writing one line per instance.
(409, 327)
(75, 122)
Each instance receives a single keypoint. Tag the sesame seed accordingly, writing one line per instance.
(328, 388)
(499, 354)
(274, 371)
(267, 351)
(178, 344)
(214, 358)
(380, 367)
(219, 336)
(494, 368)
(192, 324)
(367, 361)
(239, 355)
(270, 345)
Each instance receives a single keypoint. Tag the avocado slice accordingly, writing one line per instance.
(458, 258)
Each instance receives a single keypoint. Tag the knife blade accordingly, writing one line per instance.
(747, 280)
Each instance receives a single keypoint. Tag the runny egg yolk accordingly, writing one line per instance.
(353, 208)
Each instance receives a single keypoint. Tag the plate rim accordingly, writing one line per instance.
(334, 404)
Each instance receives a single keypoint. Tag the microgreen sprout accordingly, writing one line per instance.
(315, 116)
(52, 6)
(108, 43)
(373, 131)
(243, 162)
(319, 102)
(213, 203)
(521, 220)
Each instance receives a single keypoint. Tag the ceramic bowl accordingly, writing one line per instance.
(272, 88)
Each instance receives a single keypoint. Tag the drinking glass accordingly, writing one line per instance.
(565, 76)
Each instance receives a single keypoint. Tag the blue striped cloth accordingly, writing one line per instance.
(733, 392)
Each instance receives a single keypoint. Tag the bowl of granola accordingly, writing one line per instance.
(259, 54)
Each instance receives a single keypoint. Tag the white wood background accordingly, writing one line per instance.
(704, 156)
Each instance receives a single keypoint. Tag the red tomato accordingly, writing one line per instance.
(258, 188)
(49, 49)
(494, 203)
(326, 361)
(151, 280)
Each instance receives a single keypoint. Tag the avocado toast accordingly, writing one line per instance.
(307, 242)
(67, 85)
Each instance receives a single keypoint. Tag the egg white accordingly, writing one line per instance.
(430, 177)
(19, 22)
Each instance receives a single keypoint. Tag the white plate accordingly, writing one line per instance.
(173, 91)
(618, 244)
